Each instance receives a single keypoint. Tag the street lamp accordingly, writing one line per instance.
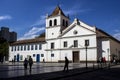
(86, 46)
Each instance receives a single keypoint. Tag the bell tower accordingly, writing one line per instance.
(56, 23)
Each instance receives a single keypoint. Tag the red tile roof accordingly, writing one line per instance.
(29, 41)
(57, 11)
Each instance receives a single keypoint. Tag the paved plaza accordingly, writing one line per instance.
(8, 70)
(54, 71)
(101, 74)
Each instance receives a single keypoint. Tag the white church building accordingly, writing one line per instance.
(77, 41)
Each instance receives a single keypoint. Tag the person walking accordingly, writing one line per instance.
(66, 64)
(30, 62)
(25, 63)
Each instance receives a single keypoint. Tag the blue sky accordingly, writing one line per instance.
(27, 17)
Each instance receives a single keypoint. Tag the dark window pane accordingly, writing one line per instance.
(52, 55)
(52, 45)
(40, 47)
(35, 47)
(55, 22)
(42, 55)
(50, 23)
(33, 55)
(65, 44)
(12, 48)
(86, 42)
(28, 47)
(31, 47)
(18, 48)
(75, 43)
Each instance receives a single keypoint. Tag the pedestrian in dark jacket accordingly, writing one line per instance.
(30, 62)
(25, 63)
(66, 64)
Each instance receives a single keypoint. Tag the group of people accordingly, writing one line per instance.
(30, 62)
(102, 60)
(26, 62)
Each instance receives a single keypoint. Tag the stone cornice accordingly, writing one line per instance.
(73, 49)
(70, 37)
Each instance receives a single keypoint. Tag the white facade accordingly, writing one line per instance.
(21, 51)
(69, 36)
(65, 39)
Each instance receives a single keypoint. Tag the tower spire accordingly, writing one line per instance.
(57, 11)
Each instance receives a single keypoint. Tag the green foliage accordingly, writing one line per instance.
(4, 48)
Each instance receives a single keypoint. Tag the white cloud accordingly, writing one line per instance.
(117, 35)
(32, 33)
(5, 17)
(75, 12)
(40, 21)
(35, 31)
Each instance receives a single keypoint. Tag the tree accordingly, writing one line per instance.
(41, 35)
(4, 49)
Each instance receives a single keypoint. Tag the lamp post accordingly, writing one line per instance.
(108, 58)
(108, 54)
(51, 55)
(86, 47)
(86, 56)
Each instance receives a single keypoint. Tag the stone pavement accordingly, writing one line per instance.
(42, 71)
(112, 73)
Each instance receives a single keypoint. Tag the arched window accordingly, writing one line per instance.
(63, 22)
(66, 23)
(55, 22)
(50, 23)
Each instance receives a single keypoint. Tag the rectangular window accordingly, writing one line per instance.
(18, 48)
(86, 42)
(52, 45)
(15, 48)
(11, 48)
(75, 43)
(28, 47)
(40, 47)
(65, 43)
(36, 47)
(33, 55)
(42, 55)
(52, 55)
(31, 47)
